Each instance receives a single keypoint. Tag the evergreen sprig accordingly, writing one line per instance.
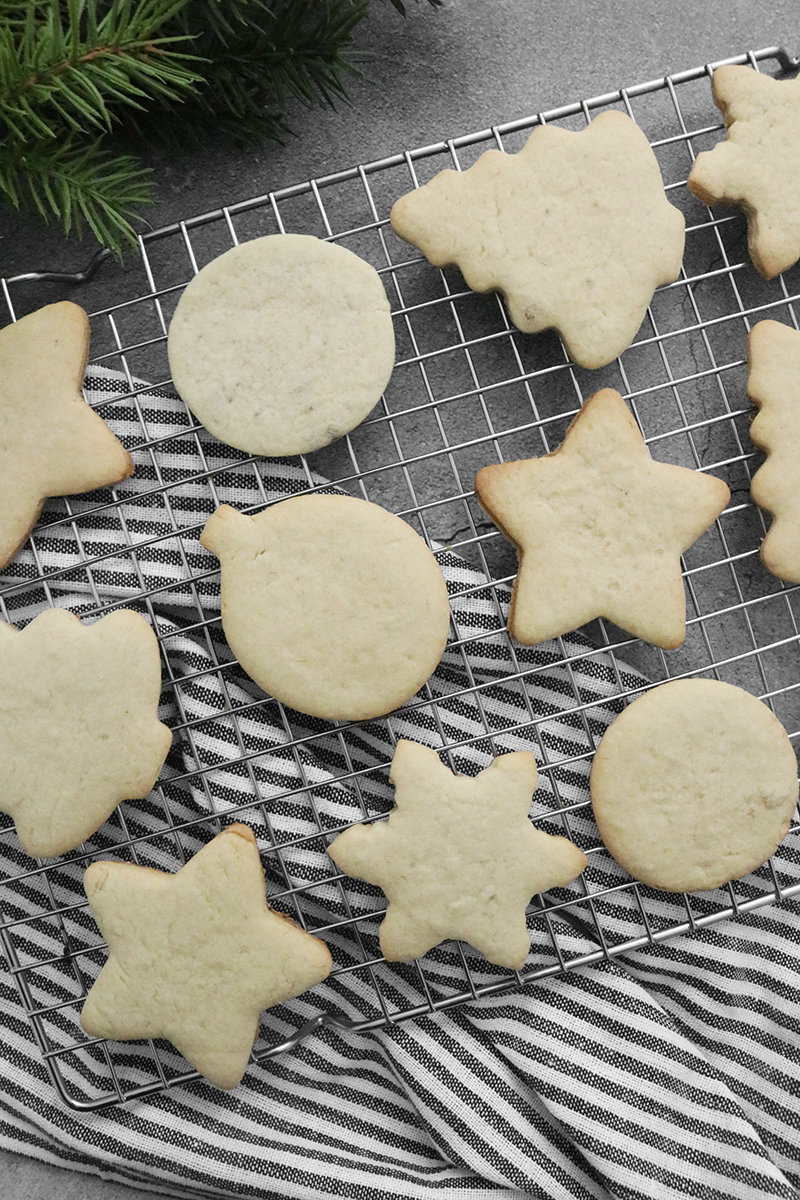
(67, 67)
(80, 184)
(259, 55)
(73, 70)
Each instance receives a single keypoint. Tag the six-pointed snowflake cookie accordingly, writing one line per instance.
(599, 528)
(79, 727)
(196, 957)
(575, 231)
(773, 383)
(758, 165)
(51, 442)
(458, 856)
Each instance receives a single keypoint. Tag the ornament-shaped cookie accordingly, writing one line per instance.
(575, 230)
(51, 442)
(79, 727)
(196, 957)
(693, 785)
(458, 856)
(758, 165)
(332, 604)
(599, 529)
(773, 383)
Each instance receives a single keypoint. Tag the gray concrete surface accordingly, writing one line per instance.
(24, 1178)
(436, 74)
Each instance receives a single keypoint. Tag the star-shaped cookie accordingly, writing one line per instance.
(758, 165)
(79, 727)
(599, 529)
(458, 857)
(51, 442)
(575, 230)
(773, 383)
(196, 957)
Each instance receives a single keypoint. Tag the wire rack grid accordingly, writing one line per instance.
(467, 389)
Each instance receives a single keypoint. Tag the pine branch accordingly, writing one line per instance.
(80, 185)
(263, 53)
(70, 68)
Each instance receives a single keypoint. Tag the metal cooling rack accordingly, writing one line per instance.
(467, 389)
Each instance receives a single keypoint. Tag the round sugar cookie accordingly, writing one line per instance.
(283, 344)
(693, 785)
(331, 604)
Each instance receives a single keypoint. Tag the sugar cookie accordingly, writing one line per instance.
(758, 165)
(599, 529)
(283, 344)
(79, 730)
(773, 383)
(196, 957)
(458, 856)
(332, 604)
(693, 785)
(575, 230)
(51, 442)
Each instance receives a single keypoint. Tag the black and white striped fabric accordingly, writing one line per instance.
(671, 1072)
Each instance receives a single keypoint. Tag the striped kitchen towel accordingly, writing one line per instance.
(671, 1071)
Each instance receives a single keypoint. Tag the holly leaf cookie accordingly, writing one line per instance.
(197, 956)
(51, 442)
(758, 165)
(79, 727)
(773, 383)
(599, 529)
(575, 230)
(458, 856)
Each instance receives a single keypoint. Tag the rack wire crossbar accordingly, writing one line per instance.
(468, 389)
